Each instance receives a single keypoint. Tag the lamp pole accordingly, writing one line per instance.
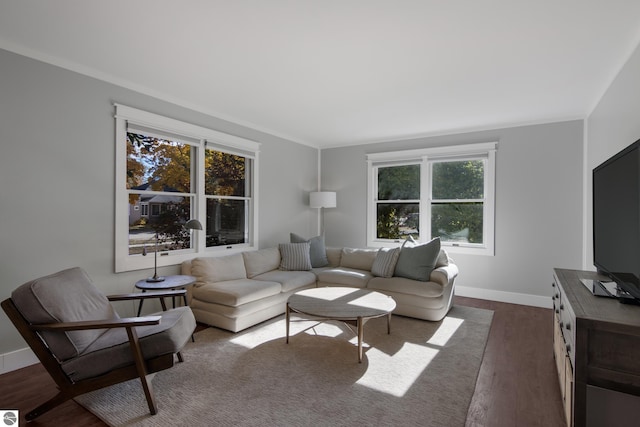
(155, 278)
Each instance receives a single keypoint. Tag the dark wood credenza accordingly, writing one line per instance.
(597, 352)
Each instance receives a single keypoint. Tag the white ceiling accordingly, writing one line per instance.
(338, 72)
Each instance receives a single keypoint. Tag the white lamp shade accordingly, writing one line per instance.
(322, 199)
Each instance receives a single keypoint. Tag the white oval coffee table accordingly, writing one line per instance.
(350, 305)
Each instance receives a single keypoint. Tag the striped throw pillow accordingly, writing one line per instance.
(385, 263)
(295, 256)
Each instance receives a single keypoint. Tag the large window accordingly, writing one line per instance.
(445, 192)
(168, 172)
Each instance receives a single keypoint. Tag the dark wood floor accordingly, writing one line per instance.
(517, 384)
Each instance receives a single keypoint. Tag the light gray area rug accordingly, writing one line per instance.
(424, 374)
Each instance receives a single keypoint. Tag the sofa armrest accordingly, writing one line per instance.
(185, 268)
(444, 275)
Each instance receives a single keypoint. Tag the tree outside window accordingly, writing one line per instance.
(398, 209)
(457, 198)
(226, 191)
(159, 178)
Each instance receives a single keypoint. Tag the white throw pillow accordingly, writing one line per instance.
(385, 262)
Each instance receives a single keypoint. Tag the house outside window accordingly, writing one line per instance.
(445, 192)
(168, 172)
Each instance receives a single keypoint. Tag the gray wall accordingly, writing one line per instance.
(538, 206)
(613, 124)
(57, 173)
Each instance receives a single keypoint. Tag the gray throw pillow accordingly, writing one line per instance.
(418, 262)
(317, 250)
(385, 263)
(294, 256)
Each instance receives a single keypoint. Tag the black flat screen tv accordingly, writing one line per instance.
(616, 219)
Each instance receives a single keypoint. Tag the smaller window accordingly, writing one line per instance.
(445, 192)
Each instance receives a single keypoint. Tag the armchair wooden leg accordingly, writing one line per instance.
(56, 400)
(142, 370)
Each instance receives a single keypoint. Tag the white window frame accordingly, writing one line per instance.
(203, 137)
(426, 157)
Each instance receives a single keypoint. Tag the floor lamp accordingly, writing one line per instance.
(322, 199)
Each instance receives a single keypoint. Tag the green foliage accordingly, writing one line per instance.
(461, 180)
(457, 222)
(388, 226)
(399, 182)
(224, 174)
(458, 180)
(169, 226)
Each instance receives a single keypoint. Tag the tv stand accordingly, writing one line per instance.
(596, 345)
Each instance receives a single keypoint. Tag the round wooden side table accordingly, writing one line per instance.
(169, 283)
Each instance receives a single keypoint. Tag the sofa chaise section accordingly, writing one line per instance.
(236, 291)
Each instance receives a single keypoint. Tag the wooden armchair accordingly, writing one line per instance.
(82, 342)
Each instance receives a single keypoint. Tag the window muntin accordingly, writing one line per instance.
(454, 199)
(160, 169)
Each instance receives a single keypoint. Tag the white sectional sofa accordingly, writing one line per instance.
(237, 291)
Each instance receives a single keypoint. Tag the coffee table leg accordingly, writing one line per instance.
(287, 316)
(389, 324)
(360, 337)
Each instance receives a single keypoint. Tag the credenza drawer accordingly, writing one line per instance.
(567, 320)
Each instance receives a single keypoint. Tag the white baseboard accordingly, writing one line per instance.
(502, 296)
(17, 359)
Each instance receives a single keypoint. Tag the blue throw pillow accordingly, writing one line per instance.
(317, 250)
(418, 262)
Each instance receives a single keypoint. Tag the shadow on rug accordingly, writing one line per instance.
(424, 373)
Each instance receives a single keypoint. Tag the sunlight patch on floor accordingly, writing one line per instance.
(397, 377)
(262, 335)
(326, 330)
(278, 330)
(446, 330)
